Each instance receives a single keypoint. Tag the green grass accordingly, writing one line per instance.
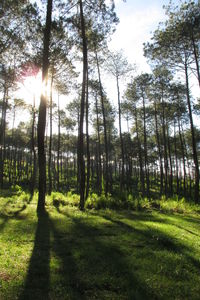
(98, 254)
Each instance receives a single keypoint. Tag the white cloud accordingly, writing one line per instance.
(135, 29)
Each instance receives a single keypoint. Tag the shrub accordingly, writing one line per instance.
(95, 201)
(58, 199)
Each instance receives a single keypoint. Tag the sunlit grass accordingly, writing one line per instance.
(138, 253)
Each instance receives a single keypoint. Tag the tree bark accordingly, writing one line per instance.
(99, 173)
(58, 148)
(159, 148)
(195, 158)
(145, 146)
(122, 179)
(81, 135)
(87, 142)
(140, 154)
(183, 157)
(33, 151)
(42, 112)
(104, 125)
(50, 137)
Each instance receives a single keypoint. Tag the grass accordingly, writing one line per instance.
(98, 254)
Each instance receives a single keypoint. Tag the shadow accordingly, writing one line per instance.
(37, 280)
(6, 216)
(12, 210)
(156, 239)
(96, 267)
(101, 260)
(70, 285)
(3, 223)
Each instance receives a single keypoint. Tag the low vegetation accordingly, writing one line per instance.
(144, 249)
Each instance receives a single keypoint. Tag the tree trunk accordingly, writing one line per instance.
(99, 173)
(42, 112)
(195, 158)
(140, 154)
(122, 179)
(87, 142)
(176, 159)
(159, 148)
(165, 146)
(145, 146)
(58, 148)
(81, 135)
(170, 163)
(50, 137)
(2, 133)
(195, 52)
(33, 151)
(104, 125)
(183, 157)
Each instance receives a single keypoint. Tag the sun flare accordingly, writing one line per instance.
(31, 89)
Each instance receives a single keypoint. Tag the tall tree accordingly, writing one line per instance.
(42, 110)
(173, 48)
(118, 66)
(83, 95)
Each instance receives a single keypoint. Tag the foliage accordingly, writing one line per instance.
(58, 199)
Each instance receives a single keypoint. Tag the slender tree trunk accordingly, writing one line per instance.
(195, 52)
(176, 159)
(99, 174)
(50, 136)
(81, 137)
(77, 161)
(33, 151)
(122, 179)
(165, 146)
(183, 157)
(10, 149)
(42, 112)
(87, 142)
(140, 154)
(159, 148)
(195, 158)
(145, 146)
(3, 134)
(58, 148)
(104, 125)
(170, 163)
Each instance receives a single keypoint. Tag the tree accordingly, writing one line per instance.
(42, 111)
(173, 48)
(118, 66)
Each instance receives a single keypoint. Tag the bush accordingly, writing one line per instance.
(95, 201)
(58, 199)
(73, 199)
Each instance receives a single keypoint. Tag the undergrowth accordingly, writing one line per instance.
(148, 251)
(94, 201)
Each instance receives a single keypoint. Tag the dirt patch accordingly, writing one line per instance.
(4, 276)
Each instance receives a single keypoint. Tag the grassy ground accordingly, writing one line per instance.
(102, 254)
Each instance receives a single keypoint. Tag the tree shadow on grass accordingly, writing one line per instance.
(69, 284)
(90, 262)
(100, 269)
(14, 214)
(156, 239)
(37, 280)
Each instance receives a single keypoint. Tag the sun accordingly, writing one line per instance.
(31, 88)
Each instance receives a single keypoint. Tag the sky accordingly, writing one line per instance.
(138, 20)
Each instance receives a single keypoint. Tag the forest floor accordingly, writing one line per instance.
(96, 254)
